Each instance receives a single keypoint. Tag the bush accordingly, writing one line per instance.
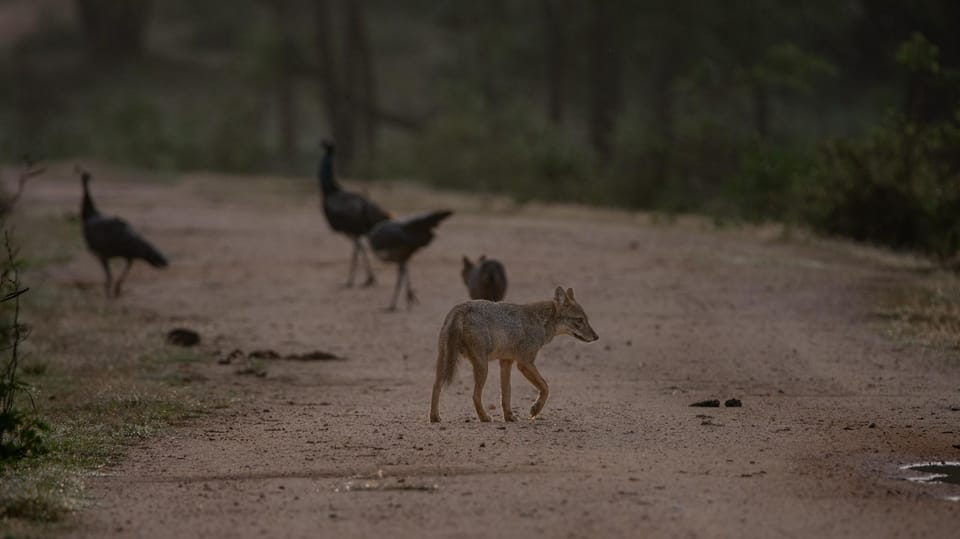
(20, 432)
(895, 188)
(503, 150)
(900, 185)
(766, 186)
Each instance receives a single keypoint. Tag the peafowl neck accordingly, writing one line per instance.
(328, 181)
(89, 209)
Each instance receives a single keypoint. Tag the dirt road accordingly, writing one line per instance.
(831, 405)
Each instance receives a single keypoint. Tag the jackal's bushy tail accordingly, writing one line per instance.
(448, 350)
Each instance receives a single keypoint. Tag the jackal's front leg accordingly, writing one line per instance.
(505, 366)
(479, 378)
(435, 401)
(533, 375)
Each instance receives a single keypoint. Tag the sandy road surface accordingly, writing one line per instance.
(344, 449)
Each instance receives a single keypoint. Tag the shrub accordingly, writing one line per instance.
(895, 188)
(20, 432)
(766, 186)
(900, 185)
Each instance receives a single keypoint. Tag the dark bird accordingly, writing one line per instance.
(487, 279)
(348, 213)
(396, 241)
(112, 237)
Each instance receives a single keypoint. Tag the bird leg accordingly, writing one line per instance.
(401, 273)
(123, 275)
(106, 269)
(366, 258)
(353, 261)
(411, 297)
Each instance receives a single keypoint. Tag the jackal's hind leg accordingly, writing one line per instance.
(533, 375)
(479, 378)
(505, 366)
(435, 402)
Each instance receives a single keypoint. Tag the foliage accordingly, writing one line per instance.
(681, 107)
(900, 185)
(21, 434)
(787, 68)
(768, 185)
(894, 188)
(500, 149)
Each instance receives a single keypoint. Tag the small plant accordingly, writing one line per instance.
(21, 434)
(9, 201)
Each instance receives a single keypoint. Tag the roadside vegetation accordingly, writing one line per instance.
(927, 313)
(86, 388)
(841, 117)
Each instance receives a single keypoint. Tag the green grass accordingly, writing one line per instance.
(89, 432)
(926, 314)
(41, 493)
(100, 378)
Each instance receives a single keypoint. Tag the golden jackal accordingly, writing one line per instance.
(484, 331)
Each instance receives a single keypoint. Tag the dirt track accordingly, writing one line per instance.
(683, 315)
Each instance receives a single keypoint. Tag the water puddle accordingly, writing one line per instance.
(945, 472)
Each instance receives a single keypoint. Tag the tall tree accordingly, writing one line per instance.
(286, 64)
(606, 59)
(360, 73)
(114, 29)
(553, 14)
(348, 86)
(338, 108)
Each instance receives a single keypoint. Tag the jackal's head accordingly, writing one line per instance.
(571, 320)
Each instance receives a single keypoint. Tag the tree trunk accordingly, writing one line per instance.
(663, 114)
(339, 113)
(761, 109)
(286, 87)
(115, 30)
(555, 50)
(606, 56)
(358, 58)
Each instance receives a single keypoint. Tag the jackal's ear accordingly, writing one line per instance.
(466, 263)
(570, 294)
(559, 296)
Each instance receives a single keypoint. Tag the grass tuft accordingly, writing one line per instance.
(928, 314)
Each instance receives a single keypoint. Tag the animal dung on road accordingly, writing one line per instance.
(229, 358)
(712, 403)
(263, 354)
(183, 337)
(715, 403)
(315, 355)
